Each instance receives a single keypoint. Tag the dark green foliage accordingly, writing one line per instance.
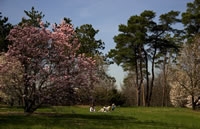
(67, 20)
(107, 97)
(161, 33)
(34, 18)
(133, 37)
(4, 31)
(191, 19)
(116, 97)
(89, 45)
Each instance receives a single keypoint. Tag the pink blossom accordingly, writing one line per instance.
(63, 22)
(42, 24)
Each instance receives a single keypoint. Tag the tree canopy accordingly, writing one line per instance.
(89, 45)
(52, 67)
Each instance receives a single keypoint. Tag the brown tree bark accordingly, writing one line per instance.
(153, 76)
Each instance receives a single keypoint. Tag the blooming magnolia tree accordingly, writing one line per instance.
(50, 63)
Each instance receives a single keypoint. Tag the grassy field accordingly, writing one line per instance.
(80, 118)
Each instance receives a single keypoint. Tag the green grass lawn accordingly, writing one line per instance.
(80, 118)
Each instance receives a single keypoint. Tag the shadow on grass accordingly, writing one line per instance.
(56, 120)
(85, 116)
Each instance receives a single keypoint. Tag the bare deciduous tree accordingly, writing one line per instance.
(186, 73)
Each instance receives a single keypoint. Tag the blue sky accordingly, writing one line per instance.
(104, 15)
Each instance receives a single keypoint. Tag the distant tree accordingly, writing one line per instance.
(186, 73)
(50, 63)
(89, 45)
(129, 89)
(158, 98)
(34, 18)
(4, 31)
(103, 89)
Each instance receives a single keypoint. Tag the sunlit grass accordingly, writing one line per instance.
(76, 117)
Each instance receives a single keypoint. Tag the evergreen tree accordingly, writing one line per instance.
(129, 51)
(191, 19)
(89, 45)
(34, 18)
(5, 28)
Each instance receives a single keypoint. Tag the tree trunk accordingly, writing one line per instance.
(164, 82)
(137, 80)
(147, 78)
(138, 96)
(143, 95)
(11, 102)
(28, 107)
(137, 83)
(152, 80)
(27, 103)
(29, 100)
(196, 102)
(193, 103)
(141, 72)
